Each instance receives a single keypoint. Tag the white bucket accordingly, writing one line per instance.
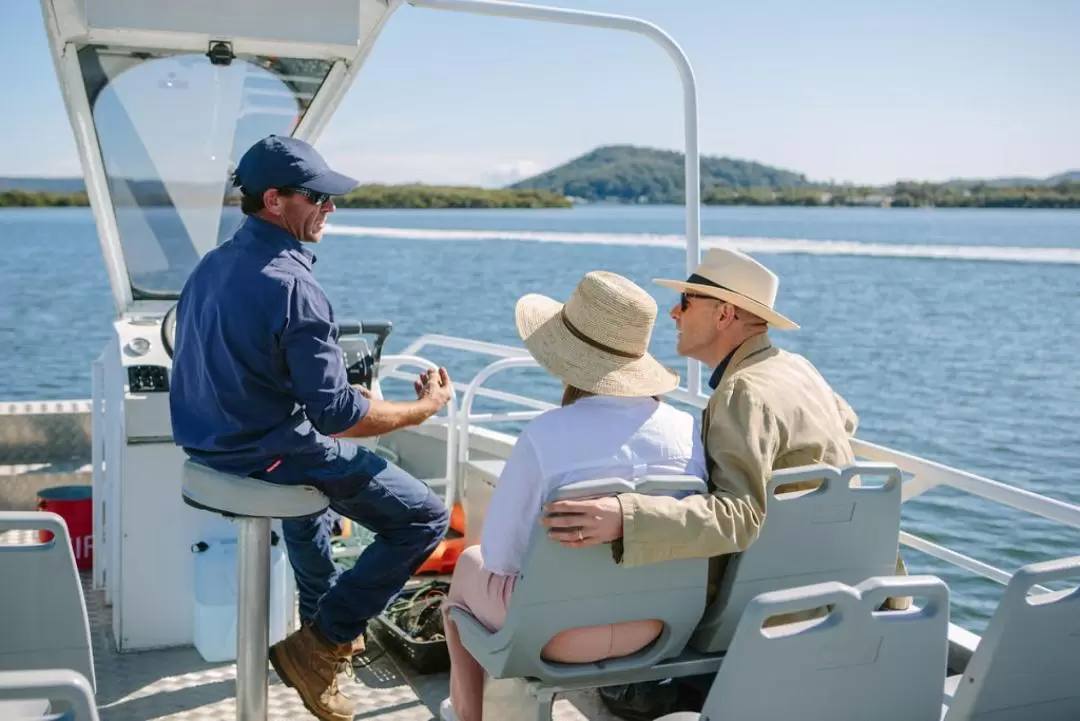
(215, 597)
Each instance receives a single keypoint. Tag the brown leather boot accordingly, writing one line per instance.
(307, 663)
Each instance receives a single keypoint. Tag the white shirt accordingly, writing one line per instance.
(594, 437)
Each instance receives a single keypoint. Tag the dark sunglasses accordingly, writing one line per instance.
(684, 299)
(315, 198)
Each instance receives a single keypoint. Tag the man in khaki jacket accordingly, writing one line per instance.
(770, 410)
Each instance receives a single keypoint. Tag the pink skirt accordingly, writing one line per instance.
(486, 596)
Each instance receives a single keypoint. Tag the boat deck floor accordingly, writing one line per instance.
(177, 684)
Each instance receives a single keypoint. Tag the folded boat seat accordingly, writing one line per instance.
(856, 663)
(563, 588)
(845, 530)
(1027, 664)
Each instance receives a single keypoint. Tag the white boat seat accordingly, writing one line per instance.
(563, 588)
(1028, 662)
(856, 664)
(45, 623)
(37, 688)
(241, 496)
(843, 530)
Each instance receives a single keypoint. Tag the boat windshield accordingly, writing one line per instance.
(171, 128)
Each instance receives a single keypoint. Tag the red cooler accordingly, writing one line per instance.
(74, 504)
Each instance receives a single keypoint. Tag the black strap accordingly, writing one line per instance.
(595, 344)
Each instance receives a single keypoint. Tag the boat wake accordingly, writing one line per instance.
(788, 246)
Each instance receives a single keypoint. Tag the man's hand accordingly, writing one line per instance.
(435, 387)
(584, 523)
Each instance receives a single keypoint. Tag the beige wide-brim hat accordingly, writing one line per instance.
(598, 340)
(738, 279)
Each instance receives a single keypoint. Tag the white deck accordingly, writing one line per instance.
(176, 684)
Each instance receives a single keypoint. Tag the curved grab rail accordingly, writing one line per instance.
(471, 393)
(390, 364)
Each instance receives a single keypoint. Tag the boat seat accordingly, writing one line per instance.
(1027, 663)
(843, 530)
(45, 621)
(26, 695)
(858, 663)
(562, 588)
(241, 496)
(253, 503)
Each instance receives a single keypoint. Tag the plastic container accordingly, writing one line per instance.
(215, 596)
(75, 505)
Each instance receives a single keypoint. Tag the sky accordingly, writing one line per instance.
(840, 90)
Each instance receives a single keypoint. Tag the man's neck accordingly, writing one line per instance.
(724, 348)
(271, 219)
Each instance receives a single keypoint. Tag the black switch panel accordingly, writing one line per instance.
(148, 379)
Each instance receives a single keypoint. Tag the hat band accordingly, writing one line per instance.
(595, 344)
(702, 280)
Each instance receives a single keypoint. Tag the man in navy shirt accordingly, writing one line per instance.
(259, 388)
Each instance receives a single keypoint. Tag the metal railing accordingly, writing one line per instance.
(921, 475)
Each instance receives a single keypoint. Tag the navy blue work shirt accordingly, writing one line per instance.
(257, 372)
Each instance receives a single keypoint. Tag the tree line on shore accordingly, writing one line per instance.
(1065, 194)
(366, 196)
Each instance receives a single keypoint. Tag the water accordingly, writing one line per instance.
(953, 333)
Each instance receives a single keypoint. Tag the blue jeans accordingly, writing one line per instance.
(407, 518)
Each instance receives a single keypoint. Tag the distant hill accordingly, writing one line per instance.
(630, 174)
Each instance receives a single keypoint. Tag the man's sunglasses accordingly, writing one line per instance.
(684, 299)
(315, 198)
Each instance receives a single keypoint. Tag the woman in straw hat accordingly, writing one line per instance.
(611, 423)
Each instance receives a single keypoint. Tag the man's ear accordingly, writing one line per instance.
(725, 316)
(272, 201)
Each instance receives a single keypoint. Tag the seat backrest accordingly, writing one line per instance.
(43, 620)
(844, 530)
(855, 664)
(562, 588)
(1027, 664)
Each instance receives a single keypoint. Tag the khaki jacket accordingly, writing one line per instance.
(772, 410)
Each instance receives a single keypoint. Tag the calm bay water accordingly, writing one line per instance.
(954, 334)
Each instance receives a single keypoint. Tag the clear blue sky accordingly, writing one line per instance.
(844, 90)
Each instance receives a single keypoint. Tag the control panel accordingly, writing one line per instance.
(148, 379)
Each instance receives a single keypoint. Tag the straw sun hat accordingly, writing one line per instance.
(598, 340)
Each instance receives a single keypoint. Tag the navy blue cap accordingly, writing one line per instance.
(283, 162)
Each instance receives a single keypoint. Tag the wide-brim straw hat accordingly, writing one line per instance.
(598, 340)
(738, 279)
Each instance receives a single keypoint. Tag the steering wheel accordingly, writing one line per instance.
(168, 330)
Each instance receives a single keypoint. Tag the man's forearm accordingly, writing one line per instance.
(385, 416)
(662, 529)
